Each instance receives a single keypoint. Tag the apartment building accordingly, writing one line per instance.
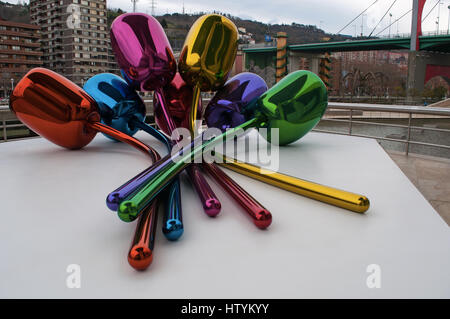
(75, 37)
(19, 52)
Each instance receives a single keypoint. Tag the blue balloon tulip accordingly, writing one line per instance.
(119, 104)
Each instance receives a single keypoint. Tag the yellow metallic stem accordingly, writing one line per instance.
(194, 107)
(351, 201)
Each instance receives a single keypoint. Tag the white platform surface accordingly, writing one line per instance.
(53, 214)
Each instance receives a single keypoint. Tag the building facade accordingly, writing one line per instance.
(75, 37)
(19, 52)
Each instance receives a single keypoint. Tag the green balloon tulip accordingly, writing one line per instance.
(293, 106)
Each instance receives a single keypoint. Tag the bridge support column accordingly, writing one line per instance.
(418, 64)
(304, 61)
(413, 77)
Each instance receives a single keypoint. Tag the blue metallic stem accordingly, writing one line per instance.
(172, 219)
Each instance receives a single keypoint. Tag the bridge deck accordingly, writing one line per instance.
(438, 43)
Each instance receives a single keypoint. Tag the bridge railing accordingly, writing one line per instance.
(408, 35)
(355, 119)
(414, 122)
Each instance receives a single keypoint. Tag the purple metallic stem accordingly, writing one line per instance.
(114, 198)
(260, 215)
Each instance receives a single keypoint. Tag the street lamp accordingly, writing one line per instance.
(448, 21)
(397, 28)
(439, 16)
(12, 85)
(362, 24)
(390, 19)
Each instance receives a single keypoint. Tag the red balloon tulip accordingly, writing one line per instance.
(178, 96)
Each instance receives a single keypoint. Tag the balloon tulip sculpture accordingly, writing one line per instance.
(293, 106)
(69, 116)
(145, 57)
(177, 95)
(207, 56)
(125, 111)
(171, 116)
(63, 113)
(59, 110)
(225, 111)
(226, 37)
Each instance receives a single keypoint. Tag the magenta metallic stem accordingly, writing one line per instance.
(211, 204)
(262, 218)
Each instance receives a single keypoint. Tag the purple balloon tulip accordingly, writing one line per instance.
(142, 51)
(225, 110)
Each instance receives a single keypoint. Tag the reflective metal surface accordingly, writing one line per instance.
(261, 217)
(286, 115)
(224, 111)
(125, 111)
(208, 52)
(172, 226)
(154, 179)
(140, 255)
(294, 106)
(55, 108)
(178, 96)
(207, 56)
(142, 51)
(117, 101)
(351, 201)
(211, 205)
(116, 197)
(59, 110)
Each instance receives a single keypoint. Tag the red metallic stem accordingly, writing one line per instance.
(262, 218)
(140, 255)
(126, 139)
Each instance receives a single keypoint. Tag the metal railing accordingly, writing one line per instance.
(408, 35)
(369, 111)
(350, 113)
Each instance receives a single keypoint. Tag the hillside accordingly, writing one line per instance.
(177, 25)
(12, 12)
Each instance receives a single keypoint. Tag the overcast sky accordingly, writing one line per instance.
(330, 15)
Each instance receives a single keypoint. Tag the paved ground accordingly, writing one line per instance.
(431, 176)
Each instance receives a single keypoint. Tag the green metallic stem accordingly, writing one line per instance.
(133, 205)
